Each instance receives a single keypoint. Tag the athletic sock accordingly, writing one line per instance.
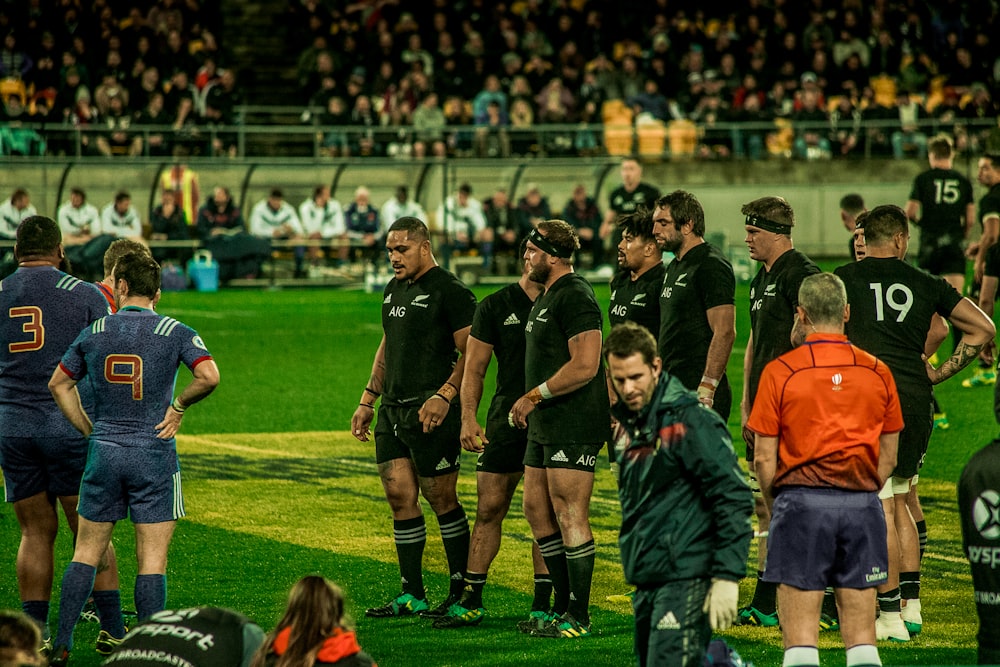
(542, 601)
(455, 536)
(922, 536)
(863, 655)
(472, 597)
(909, 585)
(765, 596)
(109, 608)
(77, 582)
(801, 656)
(889, 601)
(554, 554)
(150, 594)
(38, 610)
(829, 603)
(411, 537)
(580, 567)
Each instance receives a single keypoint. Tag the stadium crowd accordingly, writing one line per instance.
(746, 79)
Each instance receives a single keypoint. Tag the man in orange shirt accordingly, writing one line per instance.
(827, 422)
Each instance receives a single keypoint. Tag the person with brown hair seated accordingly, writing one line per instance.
(313, 630)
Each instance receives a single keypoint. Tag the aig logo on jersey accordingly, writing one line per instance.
(837, 379)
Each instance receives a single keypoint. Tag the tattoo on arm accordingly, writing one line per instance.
(962, 357)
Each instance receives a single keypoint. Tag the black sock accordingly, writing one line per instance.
(109, 608)
(765, 596)
(922, 536)
(554, 555)
(829, 603)
(455, 536)
(38, 610)
(472, 596)
(889, 601)
(909, 585)
(543, 593)
(580, 566)
(411, 537)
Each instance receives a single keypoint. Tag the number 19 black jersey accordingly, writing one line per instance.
(892, 304)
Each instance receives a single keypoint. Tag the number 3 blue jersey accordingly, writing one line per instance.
(42, 310)
(132, 358)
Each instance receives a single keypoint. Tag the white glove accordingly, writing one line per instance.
(720, 603)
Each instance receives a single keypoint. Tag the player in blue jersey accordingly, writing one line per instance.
(131, 358)
(42, 455)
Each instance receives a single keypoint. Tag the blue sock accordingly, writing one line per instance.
(38, 610)
(150, 594)
(109, 608)
(77, 583)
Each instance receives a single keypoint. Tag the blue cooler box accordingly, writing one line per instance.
(203, 271)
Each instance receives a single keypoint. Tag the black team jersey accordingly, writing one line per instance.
(419, 320)
(944, 195)
(702, 279)
(979, 510)
(774, 295)
(622, 201)
(637, 300)
(989, 204)
(500, 320)
(892, 304)
(566, 309)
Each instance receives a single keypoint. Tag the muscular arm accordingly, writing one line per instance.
(936, 335)
(745, 399)
(722, 321)
(435, 408)
(977, 331)
(912, 211)
(608, 223)
(477, 360)
(766, 464)
(365, 412)
(584, 362)
(64, 391)
(887, 446)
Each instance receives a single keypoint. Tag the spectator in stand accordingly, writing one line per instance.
(845, 124)
(555, 103)
(523, 137)
(401, 206)
(492, 139)
(908, 138)
(323, 219)
(886, 54)
(981, 109)
(650, 101)
(533, 208)
(362, 139)
(168, 222)
(78, 220)
(428, 128)
(221, 100)
(143, 87)
(364, 225)
(877, 141)
(334, 142)
(505, 222)
(120, 138)
(582, 213)
(460, 140)
(490, 94)
(219, 216)
(418, 58)
(13, 211)
(176, 56)
(810, 132)
(157, 142)
(14, 62)
(630, 78)
(275, 219)
(44, 76)
(538, 72)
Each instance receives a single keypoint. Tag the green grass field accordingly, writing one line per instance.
(275, 488)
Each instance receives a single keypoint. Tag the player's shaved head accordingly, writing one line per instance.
(141, 272)
(629, 338)
(415, 229)
(118, 249)
(882, 223)
(37, 236)
(823, 297)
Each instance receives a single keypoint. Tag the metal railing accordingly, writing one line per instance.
(310, 139)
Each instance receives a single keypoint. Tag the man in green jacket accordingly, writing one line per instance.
(686, 505)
